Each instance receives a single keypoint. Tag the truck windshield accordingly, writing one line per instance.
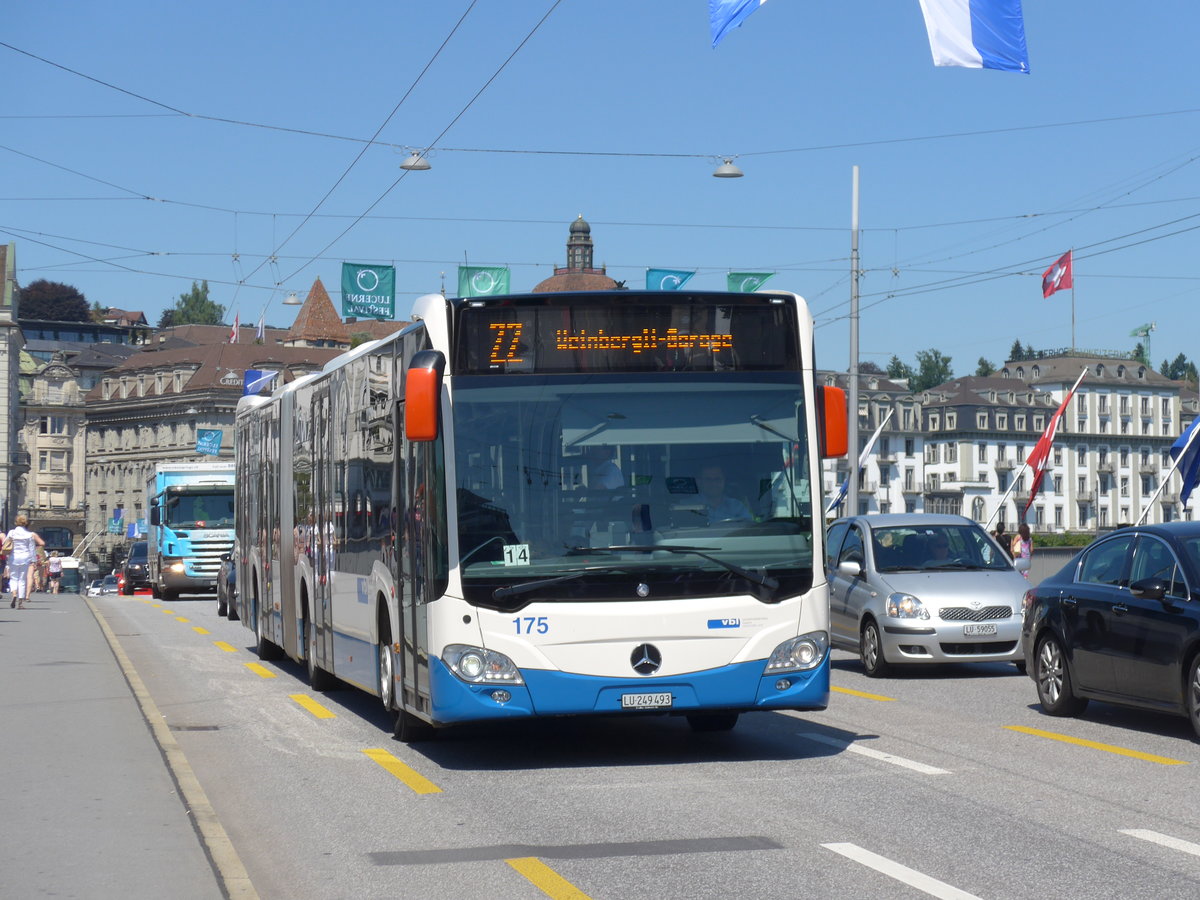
(610, 475)
(208, 509)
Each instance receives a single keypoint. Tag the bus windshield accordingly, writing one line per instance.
(632, 486)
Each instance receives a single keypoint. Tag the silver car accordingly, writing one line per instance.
(916, 588)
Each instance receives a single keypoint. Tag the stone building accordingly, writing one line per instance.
(14, 462)
(580, 273)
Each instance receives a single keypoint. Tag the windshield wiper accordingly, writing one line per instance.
(757, 577)
(525, 587)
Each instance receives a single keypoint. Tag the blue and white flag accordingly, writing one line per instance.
(208, 440)
(1186, 453)
(977, 34)
(255, 380)
(726, 15)
(666, 279)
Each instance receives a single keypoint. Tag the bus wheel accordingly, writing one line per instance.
(410, 730)
(713, 721)
(318, 678)
(387, 676)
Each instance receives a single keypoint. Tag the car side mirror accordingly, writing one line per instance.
(1149, 589)
(850, 568)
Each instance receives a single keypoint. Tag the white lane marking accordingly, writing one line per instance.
(1164, 839)
(874, 754)
(904, 874)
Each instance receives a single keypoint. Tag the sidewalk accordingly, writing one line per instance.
(88, 806)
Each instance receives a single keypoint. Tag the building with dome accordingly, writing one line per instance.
(579, 274)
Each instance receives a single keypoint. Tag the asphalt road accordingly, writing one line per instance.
(947, 782)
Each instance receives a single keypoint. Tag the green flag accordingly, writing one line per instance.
(482, 281)
(747, 282)
(368, 291)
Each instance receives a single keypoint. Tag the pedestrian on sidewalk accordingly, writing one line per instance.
(54, 567)
(22, 555)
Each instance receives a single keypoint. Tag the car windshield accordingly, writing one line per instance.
(610, 475)
(938, 547)
(109, 581)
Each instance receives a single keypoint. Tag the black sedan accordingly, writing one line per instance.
(1120, 623)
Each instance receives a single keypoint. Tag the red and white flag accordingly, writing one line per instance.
(1041, 450)
(1058, 276)
(233, 332)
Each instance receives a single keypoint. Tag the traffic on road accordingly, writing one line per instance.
(891, 791)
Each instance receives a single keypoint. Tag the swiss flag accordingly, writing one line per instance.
(1058, 276)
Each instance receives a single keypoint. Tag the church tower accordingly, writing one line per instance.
(579, 274)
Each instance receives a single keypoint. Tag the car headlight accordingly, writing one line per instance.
(177, 567)
(906, 606)
(478, 666)
(798, 654)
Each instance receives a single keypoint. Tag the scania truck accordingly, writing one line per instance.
(190, 508)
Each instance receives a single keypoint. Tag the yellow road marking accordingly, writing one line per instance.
(150, 602)
(200, 630)
(260, 670)
(168, 612)
(312, 705)
(1096, 745)
(221, 645)
(181, 619)
(546, 879)
(419, 783)
(852, 693)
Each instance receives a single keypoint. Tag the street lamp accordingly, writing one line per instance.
(728, 170)
(415, 162)
(293, 300)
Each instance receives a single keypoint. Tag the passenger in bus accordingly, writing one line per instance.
(718, 507)
(603, 471)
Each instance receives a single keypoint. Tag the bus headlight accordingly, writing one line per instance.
(478, 666)
(798, 654)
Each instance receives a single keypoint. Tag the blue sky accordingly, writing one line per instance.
(972, 182)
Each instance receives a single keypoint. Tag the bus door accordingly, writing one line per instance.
(409, 498)
(324, 537)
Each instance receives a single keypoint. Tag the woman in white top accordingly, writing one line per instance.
(21, 558)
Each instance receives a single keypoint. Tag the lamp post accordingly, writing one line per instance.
(852, 417)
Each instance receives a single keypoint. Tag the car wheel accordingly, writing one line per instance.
(870, 651)
(1054, 680)
(713, 721)
(1193, 695)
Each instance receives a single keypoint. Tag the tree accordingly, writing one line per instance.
(869, 368)
(1017, 351)
(1140, 355)
(193, 308)
(899, 371)
(52, 301)
(1180, 369)
(984, 368)
(932, 369)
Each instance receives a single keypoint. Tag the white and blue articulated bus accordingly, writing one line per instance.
(550, 504)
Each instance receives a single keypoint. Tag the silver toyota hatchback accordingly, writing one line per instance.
(917, 588)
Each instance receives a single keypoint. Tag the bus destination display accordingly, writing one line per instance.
(524, 339)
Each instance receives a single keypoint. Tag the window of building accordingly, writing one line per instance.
(52, 425)
(931, 453)
(1002, 421)
(1020, 453)
(907, 418)
(1124, 457)
(934, 420)
(981, 420)
(1102, 402)
(1057, 483)
(1058, 456)
(982, 453)
(1082, 483)
(1166, 407)
(1058, 517)
(951, 420)
(1104, 517)
(909, 446)
(952, 452)
(1104, 426)
(1081, 456)
(1019, 422)
(1124, 486)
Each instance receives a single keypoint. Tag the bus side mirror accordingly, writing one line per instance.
(834, 430)
(423, 396)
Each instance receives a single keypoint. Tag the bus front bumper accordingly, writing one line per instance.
(741, 687)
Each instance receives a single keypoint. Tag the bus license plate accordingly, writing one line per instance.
(976, 628)
(646, 701)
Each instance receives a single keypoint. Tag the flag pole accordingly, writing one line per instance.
(1170, 472)
(1073, 300)
(1025, 465)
